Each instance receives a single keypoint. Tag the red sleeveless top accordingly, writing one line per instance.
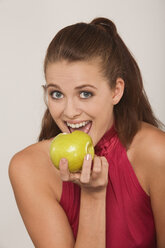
(129, 217)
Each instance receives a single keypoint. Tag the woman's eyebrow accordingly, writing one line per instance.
(52, 85)
(77, 88)
(85, 85)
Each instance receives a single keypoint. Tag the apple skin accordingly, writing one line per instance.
(72, 146)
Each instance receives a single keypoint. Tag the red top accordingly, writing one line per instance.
(129, 217)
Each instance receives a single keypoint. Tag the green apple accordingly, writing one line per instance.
(72, 146)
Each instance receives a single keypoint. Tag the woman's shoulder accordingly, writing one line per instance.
(147, 154)
(33, 162)
(34, 154)
(149, 140)
(37, 151)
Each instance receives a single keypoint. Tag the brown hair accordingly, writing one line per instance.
(100, 39)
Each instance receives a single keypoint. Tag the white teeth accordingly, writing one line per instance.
(77, 125)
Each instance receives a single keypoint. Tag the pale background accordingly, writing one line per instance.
(26, 28)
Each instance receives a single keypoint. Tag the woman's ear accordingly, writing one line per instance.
(118, 91)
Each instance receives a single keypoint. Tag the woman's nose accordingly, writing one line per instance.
(71, 109)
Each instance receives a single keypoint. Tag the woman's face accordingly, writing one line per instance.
(79, 98)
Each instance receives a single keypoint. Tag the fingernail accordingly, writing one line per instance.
(88, 156)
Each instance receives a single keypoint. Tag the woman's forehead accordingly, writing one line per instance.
(81, 71)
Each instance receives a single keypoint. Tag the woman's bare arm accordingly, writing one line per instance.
(148, 158)
(44, 218)
(92, 221)
(157, 188)
(92, 224)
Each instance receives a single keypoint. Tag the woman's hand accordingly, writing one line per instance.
(92, 178)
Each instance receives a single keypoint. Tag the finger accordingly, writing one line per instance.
(105, 166)
(64, 170)
(105, 163)
(86, 169)
(97, 165)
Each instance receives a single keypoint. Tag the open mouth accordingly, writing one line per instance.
(84, 126)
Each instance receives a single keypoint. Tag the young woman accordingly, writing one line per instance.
(93, 81)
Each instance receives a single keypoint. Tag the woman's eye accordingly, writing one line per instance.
(85, 94)
(56, 95)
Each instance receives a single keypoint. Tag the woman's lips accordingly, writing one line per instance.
(84, 129)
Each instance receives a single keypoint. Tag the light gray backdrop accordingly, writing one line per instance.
(26, 28)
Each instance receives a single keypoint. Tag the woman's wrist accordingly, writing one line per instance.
(94, 194)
